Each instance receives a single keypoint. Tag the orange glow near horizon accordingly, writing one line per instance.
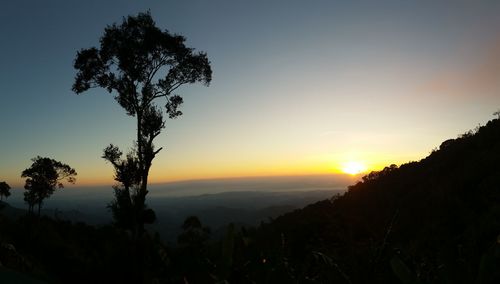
(164, 171)
(354, 168)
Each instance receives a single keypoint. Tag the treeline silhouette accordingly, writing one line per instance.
(432, 221)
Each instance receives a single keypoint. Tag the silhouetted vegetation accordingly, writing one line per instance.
(63, 252)
(4, 190)
(44, 175)
(433, 221)
(139, 63)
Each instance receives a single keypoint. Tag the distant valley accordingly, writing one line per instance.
(244, 201)
(218, 210)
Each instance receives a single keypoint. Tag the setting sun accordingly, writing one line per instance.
(353, 168)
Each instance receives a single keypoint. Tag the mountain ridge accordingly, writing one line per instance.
(438, 217)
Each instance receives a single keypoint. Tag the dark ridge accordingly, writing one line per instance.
(437, 219)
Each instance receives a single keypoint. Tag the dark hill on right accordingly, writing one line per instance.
(432, 221)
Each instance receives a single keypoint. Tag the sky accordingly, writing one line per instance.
(298, 88)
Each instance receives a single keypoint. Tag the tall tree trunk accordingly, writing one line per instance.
(139, 140)
(140, 198)
(39, 207)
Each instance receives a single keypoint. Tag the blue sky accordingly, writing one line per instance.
(299, 87)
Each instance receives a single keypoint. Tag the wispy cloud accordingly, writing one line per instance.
(479, 77)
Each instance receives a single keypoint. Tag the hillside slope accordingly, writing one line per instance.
(433, 221)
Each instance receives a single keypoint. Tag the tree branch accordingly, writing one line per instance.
(157, 151)
(174, 87)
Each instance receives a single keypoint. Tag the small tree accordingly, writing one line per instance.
(43, 177)
(140, 64)
(4, 190)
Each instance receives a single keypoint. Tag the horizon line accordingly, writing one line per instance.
(209, 179)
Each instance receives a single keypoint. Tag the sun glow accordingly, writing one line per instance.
(353, 168)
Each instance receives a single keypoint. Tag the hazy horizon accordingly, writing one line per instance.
(80, 195)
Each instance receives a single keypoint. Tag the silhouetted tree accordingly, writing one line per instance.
(4, 190)
(139, 63)
(194, 235)
(194, 264)
(43, 177)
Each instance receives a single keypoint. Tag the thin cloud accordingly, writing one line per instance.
(479, 78)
